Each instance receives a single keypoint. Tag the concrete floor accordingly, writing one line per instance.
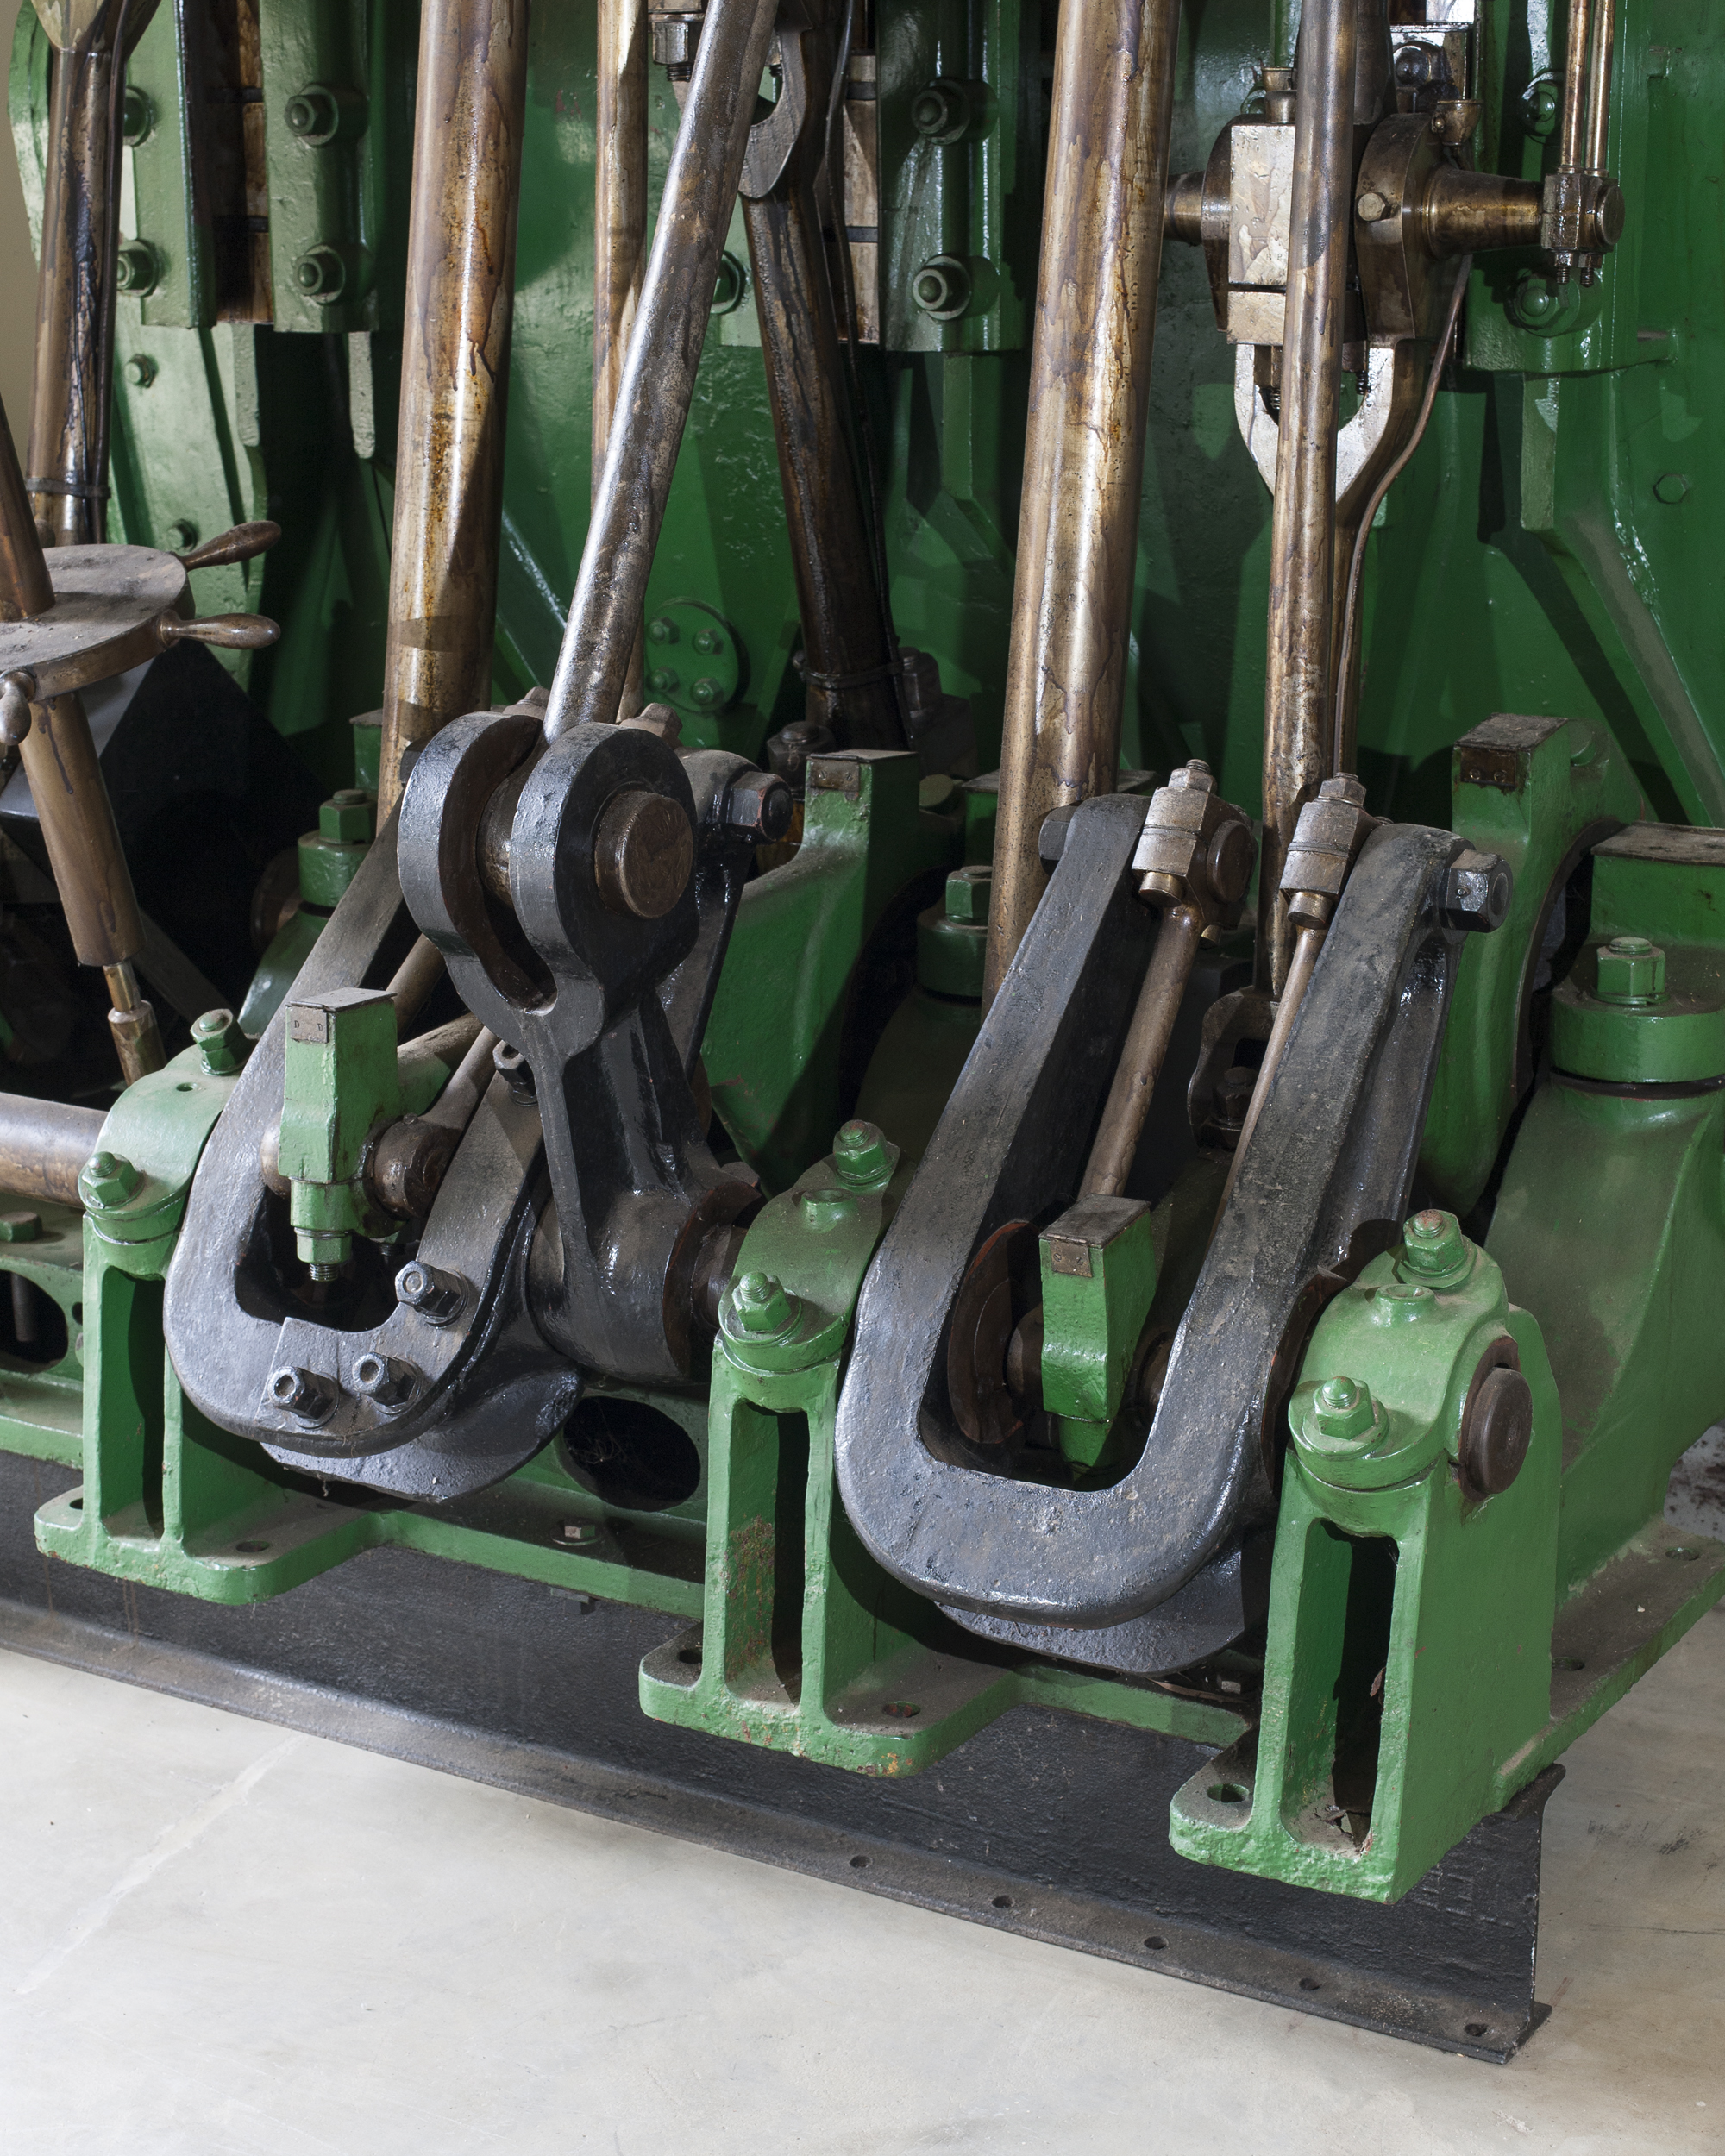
(221, 1937)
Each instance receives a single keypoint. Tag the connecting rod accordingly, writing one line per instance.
(472, 103)
(1299, 693)
(1095, 322)
(659, 369)
(619, 232)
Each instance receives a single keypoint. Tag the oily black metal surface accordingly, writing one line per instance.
(1324, 1183)
(637, 1186)
(491, 1390)
(1047, 1824)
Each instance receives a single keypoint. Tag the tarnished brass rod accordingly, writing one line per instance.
(1145, 1050)
(413, 980)
(1573, 136)
(1599, 85)
(472, 103)
(1095, 322)
(43, 1145)
(1467, 213)
(832, 552)
(659, 368)
(1306, 945)
(619, 231)
(25, 590)
(1299, 703)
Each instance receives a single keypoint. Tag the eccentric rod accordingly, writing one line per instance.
(659, 369)
(1299, 702)
(619, 232)
(472, 103)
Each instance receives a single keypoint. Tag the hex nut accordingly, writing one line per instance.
(302, 1393)
(759, 806)
(968, 894)
(220, 1044)
(22, 1226)
(1630, 970)
(762, 1307)
(861, 1155)
(383, 1381)
(1434, 1248)
(1477, 891)
(107, 1180)
(436, 1295)
(1343, 1410)
(941, 288)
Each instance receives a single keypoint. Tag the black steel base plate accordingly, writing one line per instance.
(1046, 1823)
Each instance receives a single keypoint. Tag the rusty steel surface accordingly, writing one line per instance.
(461, 281)
(1095, 322)
(659, 368)
(619, 231)
(1299, 700)
(43, 1145)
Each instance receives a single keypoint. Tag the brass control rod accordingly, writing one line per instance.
(659, 368)
(472, 103)
(1599, 84)
(1146, 1052)
(619, 232)
(1573, 136)
(1090, 354)
(43, 1145)
(1299, 701)
(1306, 945)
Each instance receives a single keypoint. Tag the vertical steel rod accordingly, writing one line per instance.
(659, 368)
(472, 102)
(1144, 1053)
(1298, 698)
(1095, 324)
(619, 231)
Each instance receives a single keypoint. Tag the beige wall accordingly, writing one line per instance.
(17, 269)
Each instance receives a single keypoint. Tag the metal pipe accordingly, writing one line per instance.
(659, 368)
(454, 1107)
(1095, 324)
(44, 1145)
(1306, 945)
(472, 103)
(1599, 84)
(1145, 1050)
(1299, 700)
(25, 587)
(413, 980)
(620, 234)
(1574, 129)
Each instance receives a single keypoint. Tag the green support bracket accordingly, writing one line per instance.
(1411, 1613)
(339, 1085)
(1536, 791)
(42, 1404)
(1098, 1282)
(777, 1051)
(161, 141)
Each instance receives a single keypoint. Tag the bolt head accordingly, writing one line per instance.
(708, 642)
(1372, 207)
(707, 692)
(136, 270)
(182, 535)
(220, 1044)
(300, 1393)
(321, 273)
(107, 1180)
(141, 370)
(968, 894)
(1433, 1246)
(1631, 970)
(941, 112)
(20, 1227)
(1671, 487)
(663, 680)
(860, 1155)
(761, 1306)
(346, 816)
(759, 806)
(1343, 1410)
(661, 632)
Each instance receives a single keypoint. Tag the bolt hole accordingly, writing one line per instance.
(1003, 1901)
(690, 1655)
(78, 1314)
(251, 1549)
(185, 1085)
(859, 1864)
(1475, 2029)
(75, 1504)
(1687, 1556)
(1155, 1943)
(1227, 1793)
(1571, 1662)
(1310, 1983)
(901, 1709)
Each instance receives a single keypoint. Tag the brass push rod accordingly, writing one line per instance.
(1095, 322)
(1144, 1053)
(43, 1145)
(840, 605)
(659, 368)
(1573, 138)
(25, 590)
(619, 230)
(1299, 703)
(472, 103)
(1306, 945)
(1599, 84)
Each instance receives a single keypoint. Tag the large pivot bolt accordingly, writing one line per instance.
(644, 855)
(1497, 1427)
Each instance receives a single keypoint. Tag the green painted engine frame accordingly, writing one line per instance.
(1563, 497)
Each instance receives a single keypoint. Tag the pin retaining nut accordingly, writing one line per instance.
(1343, 1410)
